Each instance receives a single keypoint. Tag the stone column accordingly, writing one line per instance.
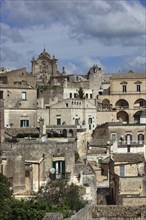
(19, 174)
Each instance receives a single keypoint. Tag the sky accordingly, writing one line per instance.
(80, 33)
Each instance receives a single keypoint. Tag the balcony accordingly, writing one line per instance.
(131, 143)
(59, 176)
(122, 107)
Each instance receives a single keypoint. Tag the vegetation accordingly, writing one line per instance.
(81, 94)
(56, 196)
(5, 198)
(62, 197)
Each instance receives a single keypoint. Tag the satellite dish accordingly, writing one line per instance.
(43, 139)
(52, 170)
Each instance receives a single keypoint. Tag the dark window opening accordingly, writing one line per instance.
(124, 87)
(24, 123)
(138, 88)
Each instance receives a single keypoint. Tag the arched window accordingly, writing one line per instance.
(70, 133)
(123, 116)
(128, 138)
(76, 121)
(122, 103)
(64, 133)
(140, 138)
(137, 116)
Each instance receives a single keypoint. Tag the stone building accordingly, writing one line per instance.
(44, 67)
(120, 137)
(30, 163)
(1, 117)
(127, 184)
(126, 138)
(18, 77)
(127, 95)
(85, 176)
(79, 112)
(20, 105)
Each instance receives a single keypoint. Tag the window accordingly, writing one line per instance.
(1, 94)
(58, 119)
(87, 95)
(24, 123)
(122, 104)
(138, 88)
(75, 95)
(122, 170)
(17, 82)
(99, 160)
(59, 167)
(76, 121)
(66, 104)
(70, 95)
(113, 137)
(124, 88)
(140, 138)
(141, 103)
(90, 123)
(128, 138)
(23, 96)
(90, 96)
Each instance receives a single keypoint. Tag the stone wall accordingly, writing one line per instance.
(30, 165)
(134, 201)
(83, 214)
(131, 185)
(110, 212)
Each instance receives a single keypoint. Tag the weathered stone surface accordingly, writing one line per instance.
(112, 212)
(53, 216)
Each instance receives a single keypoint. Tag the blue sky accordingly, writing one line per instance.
(110, 33)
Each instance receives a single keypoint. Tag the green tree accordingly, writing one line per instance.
(28, 209)
(62, 197)
(5, 198)
(81, 94)
(55, 196)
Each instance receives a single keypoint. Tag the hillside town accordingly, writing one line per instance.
(89, 129)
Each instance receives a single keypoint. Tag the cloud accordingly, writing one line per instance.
(72, 30)
(10, 33)
(81, 65)
(11, 57)
(136, 63)
(103, 20)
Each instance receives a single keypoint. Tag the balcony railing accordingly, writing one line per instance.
(131, 143)
(59, 176)
(122, 107)
(126, 93)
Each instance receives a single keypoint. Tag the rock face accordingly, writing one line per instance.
(53, 216)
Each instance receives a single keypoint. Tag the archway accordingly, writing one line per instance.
(136, 116)
(105, 104)
(123, 116)
(140, 103)
(64, 133)
(122, 103)
(70, 133)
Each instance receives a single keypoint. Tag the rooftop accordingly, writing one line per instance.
(128, 75)
(129, 157)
